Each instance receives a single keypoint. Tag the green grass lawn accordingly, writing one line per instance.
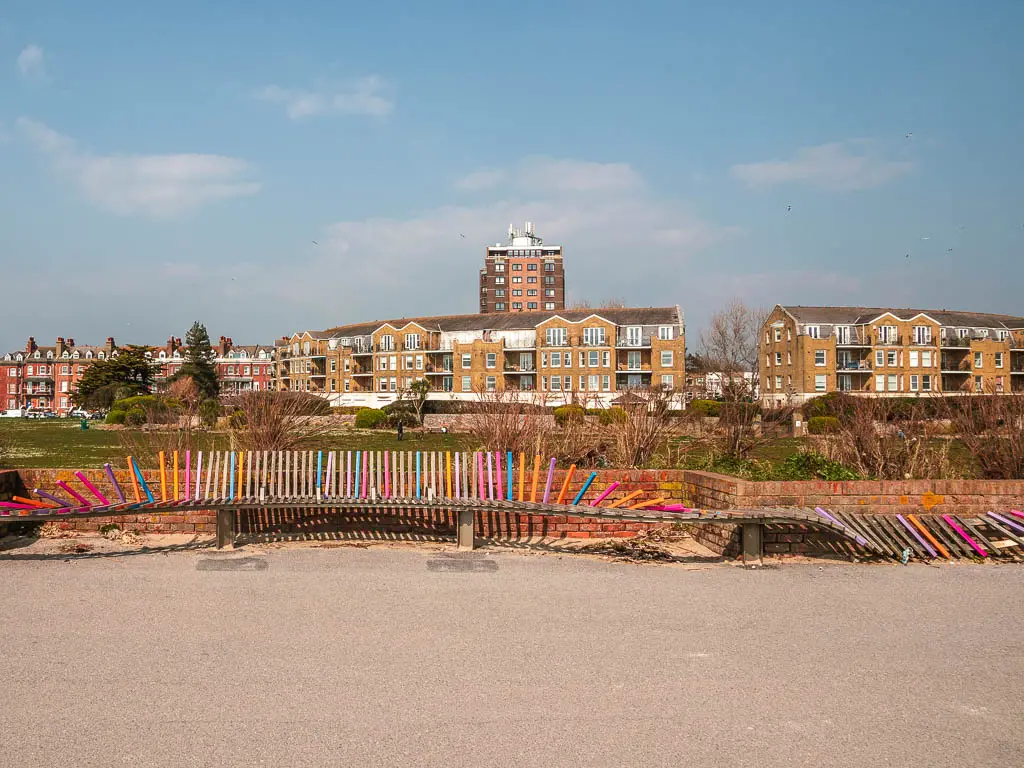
(62, 443)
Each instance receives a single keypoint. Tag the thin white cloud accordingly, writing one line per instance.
(837, 166)
(485, 178)
(365, 96)
(152, 185)
(31, 63)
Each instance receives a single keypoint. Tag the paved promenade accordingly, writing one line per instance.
(425, 657)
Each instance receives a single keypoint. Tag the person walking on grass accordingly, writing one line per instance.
(401, 430)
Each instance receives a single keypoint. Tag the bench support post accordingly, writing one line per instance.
(752, 543)
(225, 528)
(465, 528)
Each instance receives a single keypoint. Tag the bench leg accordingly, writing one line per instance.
(466, 529)
(225, 528)
(752, 544)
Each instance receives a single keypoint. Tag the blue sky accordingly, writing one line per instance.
(158, 167)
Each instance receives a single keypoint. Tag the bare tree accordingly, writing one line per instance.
(729, 343)
(276, 421)
(645, 429)
(502, 422)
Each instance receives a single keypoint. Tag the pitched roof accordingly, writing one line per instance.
(861, 315)
(515, 321)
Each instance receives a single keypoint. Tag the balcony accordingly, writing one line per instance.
(854, 366)
(627, 368)
(855, 338)
(633, 343)
(509, 368)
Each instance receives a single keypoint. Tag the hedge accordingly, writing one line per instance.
(116, 416)
(369, 418)
(823, 425)
(711, 408)
(613, 415)
(566, 413)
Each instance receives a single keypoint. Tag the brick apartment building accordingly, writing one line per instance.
(525, 275)
(555, 357)
(809, 351)
(43, 378)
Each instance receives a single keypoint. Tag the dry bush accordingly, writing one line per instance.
(634, 440)
(170, 425)
(991, 428)
(275, 421)
(887, 440)
(501, 422)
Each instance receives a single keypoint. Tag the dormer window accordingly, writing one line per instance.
(65, 355)
(101, 355)
(37, 355)
(163, 355)
(813, 331)
(76, 355)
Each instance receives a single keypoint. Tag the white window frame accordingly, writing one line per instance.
(467, 383)
(667, 358)
(824, 358)
(820, 382)
(467, 360)
(813, 331)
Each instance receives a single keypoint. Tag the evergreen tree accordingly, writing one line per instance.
(198, 364)
(128, 373)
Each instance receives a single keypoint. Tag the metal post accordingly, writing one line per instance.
(465, 528)
(225, 528)
(752, 544)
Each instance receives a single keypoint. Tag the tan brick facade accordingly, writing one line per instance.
(562, 356)
(810, 351)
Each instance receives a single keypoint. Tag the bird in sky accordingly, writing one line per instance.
(462, 236)
(907, 256)
(789, 207)
(925, 238)
(314, 242)
(910, 135)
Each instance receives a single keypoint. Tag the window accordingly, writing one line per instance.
(556, 383)
(334, 366)
(387, 343)
(393, 384)
(605, 359)
(893, 383)
(28, 370)
(789, 358)
(549, 293)
(517, 291)
(913, 358)
(879, 383)
(666, 358)
(593, 382)
(593, 337)
(819, 357)
(517, 280)
(891, 359)
(593, 359)
(544, 359)
(819, 382)
(926, 358)
(65, 369)
(555, 337)
(467, 360)
(499, 266)
(978, 359)
(499, 280)
(606, 383)
(419, 362)
(531, 279)
(999, 385)
(778, 358)
(346, 385)
(467, 384)
(879, 358)
(999, 359)
(778, 382)
(549, 305)
(531, 305)
(492, 383)
(556, 359)
(777, 333)
(842, 334)
(961, 333)
(583, 359)
(383, 385)
(568, 359)
(665, 332)
(500, 306)
(926, 382)
(531, 267)
(567, 383)
(978, 384)
(499, 293)
(412, 341)
(531, 292)
(634, 335)
(887, 334)
(517, 267)
(922, 334)
(813, 331)
(334, 385)
(492, 359)
(517, 305)
(913, 382)
(549, 280)
(64, 386)
(544, 383)
(549, 267)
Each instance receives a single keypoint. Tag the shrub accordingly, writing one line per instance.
(613, 415)
(115, 417)
(238, 420)
(369, 418)
(399, 412)
(823, 425)
(566, 413)
(143, 402)
(706, 408)
(135, 417)
(209, 411)
(809, 465)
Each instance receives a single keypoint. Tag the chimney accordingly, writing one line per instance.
(71, 343)
(224, 346)
(110, 344)
(60, 346)
(30, 347)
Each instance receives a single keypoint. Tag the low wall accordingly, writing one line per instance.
(10, 484)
